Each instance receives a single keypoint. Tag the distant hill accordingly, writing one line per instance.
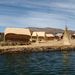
(49, 30)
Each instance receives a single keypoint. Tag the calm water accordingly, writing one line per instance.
(44, 63)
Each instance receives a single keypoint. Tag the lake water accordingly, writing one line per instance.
(41, 63)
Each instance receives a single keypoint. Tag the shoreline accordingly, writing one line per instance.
(41, 47)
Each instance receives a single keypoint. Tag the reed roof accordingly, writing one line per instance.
(21, 31)
(59, 34)
(40, 34)
(49, 35)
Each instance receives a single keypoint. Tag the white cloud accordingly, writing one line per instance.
(42, 13)
(66, 7)
(35, 19)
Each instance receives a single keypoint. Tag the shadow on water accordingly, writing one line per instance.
(41, 63)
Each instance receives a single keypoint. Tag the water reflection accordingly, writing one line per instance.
(65, 62)
(65, 57)
(16, 64)
(44, 63)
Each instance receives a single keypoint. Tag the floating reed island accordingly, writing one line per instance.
(41, 47)
(23, 40)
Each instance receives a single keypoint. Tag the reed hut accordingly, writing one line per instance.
(59, 36)
(50, 36)
(17, 34)
(66, 37)
(73, 36)
(38, 35)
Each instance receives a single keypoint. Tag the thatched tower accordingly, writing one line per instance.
(17, 34)
(66, 37)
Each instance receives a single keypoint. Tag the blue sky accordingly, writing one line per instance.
(37, 13)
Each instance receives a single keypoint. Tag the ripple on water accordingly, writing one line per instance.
(40, 63)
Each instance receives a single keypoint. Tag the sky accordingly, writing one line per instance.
(37, 13)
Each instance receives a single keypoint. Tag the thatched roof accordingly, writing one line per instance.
(39, 34)
(73, 34)
(59, 34)
(21, 31)
(49, 35)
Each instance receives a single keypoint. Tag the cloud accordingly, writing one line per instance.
(39, 13)
(35, 19)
